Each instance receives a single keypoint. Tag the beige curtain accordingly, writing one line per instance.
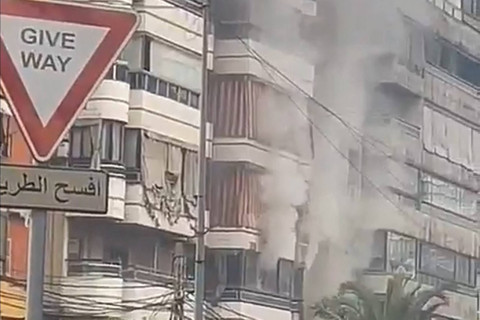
(233, 103)
(234, 196)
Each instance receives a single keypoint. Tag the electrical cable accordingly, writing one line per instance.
(331, 143)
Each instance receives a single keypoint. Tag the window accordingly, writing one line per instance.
(152, 85)
(437, 261)
(401, 252)
(298, 284)
(117, 255)
(146, 52)
(112, 141)
(443, 54)
(81, 142)
(449, 196)
(377, 262)
(5, 137)
(462, 269)
(251, 269)
(183, 95)
(173, 92)
(74, 249)
(471, 7)
(234, 268)
(194, 100)
(284, 277)
(133, 148)
(162, 88)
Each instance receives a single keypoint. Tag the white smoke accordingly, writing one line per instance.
(357, 41)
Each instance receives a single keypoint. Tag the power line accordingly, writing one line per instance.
(325, 136)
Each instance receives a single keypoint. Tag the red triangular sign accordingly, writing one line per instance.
(53, 55)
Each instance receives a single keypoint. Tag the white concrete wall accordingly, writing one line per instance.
(164, 116)
(110, 101)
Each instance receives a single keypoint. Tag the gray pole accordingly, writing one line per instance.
(202, 172)
(36, 264)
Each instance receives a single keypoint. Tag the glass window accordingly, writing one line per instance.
(133, 148)
(183, 95)
(152, 84)
(377, 261)
(234, 268)
(462, 269)
(268, 279)
(194, 99)
(138, 80)
(121, 72)
(81, 142)
(285, 275)
(401, 253)
(298, 284)
(112, 137)
(172, 91)
(162, 88)
(251, 269)
(437, 261)
(449, 196)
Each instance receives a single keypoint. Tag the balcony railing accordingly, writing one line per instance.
(142, 80)
(143, 274)
(93, 267)
(259, 297)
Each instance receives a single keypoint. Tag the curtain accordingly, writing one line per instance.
(234, 196)
(190, 174)
(233, 103)
(155, 161)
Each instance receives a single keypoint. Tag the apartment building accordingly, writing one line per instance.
(141, 125)
(261, 147)
(420, 145)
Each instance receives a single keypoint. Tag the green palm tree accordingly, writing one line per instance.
(357, 302)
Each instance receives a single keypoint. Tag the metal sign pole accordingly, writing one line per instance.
(36, 264)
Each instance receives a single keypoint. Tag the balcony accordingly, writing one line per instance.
(138, 212)
(164, 108)
(92, 287)
(111, 99)
(452, 93)
(147, 291)
(453, 8)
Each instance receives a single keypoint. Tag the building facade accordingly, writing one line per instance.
(416, 107)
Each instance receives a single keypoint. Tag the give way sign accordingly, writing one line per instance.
(53, 55)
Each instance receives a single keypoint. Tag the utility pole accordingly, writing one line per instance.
(202, 172)
(179, 271)
(36, 264)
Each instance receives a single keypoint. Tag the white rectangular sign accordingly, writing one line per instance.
(55, 189)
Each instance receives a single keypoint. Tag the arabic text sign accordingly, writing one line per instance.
(55, 189)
